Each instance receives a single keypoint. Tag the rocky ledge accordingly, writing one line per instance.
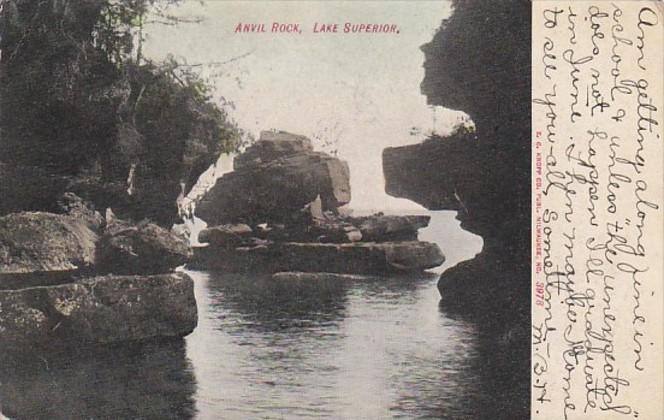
(75, 277)
(98, 310)
(355, 258)
(483, 173)
(281, 210)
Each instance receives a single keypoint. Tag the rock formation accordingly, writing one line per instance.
(273, 179)
(144, 248)
(354, 258)
(51, 292)
(479, 63)
(36, 241)
(97, 310)
(279, 211)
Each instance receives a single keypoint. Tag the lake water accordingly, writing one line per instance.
(356, 350)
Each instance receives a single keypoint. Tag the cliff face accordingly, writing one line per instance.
(479, 63)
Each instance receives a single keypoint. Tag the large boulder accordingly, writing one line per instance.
(98, 310)
(354, 258)
(33, 242)
(143, 248)
(275, 178)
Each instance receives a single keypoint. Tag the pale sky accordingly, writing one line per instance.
(361, 90)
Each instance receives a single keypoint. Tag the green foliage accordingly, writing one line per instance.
(56, 85)
(76, 94)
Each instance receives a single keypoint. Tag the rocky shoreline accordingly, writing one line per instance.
(70, 276)
(290, 216)
(76, 278)
(483, 173)
(96, 311)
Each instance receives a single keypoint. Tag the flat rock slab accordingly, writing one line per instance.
(225, 235)
(301, 276)
(353, 258)
(98, 310)
(381, 228)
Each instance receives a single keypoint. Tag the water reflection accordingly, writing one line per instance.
(153, 380)
(258, 303)
(363, 349)
(501, 314)
(264, 349)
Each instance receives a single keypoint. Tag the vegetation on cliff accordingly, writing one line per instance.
(78, 99)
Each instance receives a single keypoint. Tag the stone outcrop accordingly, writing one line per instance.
(97, 310)
(51, 291)
(37, 242)
(273, 179)
(279, 211)
(226, 236)
(37, 245)
(484, 175)
(437, 189)
(143, 248)
(479, 62)
(355, 258)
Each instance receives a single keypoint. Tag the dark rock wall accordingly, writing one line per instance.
(479, 63)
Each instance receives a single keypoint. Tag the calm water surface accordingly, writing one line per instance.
(363, 349)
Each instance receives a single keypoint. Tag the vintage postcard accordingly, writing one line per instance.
(445, 209)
